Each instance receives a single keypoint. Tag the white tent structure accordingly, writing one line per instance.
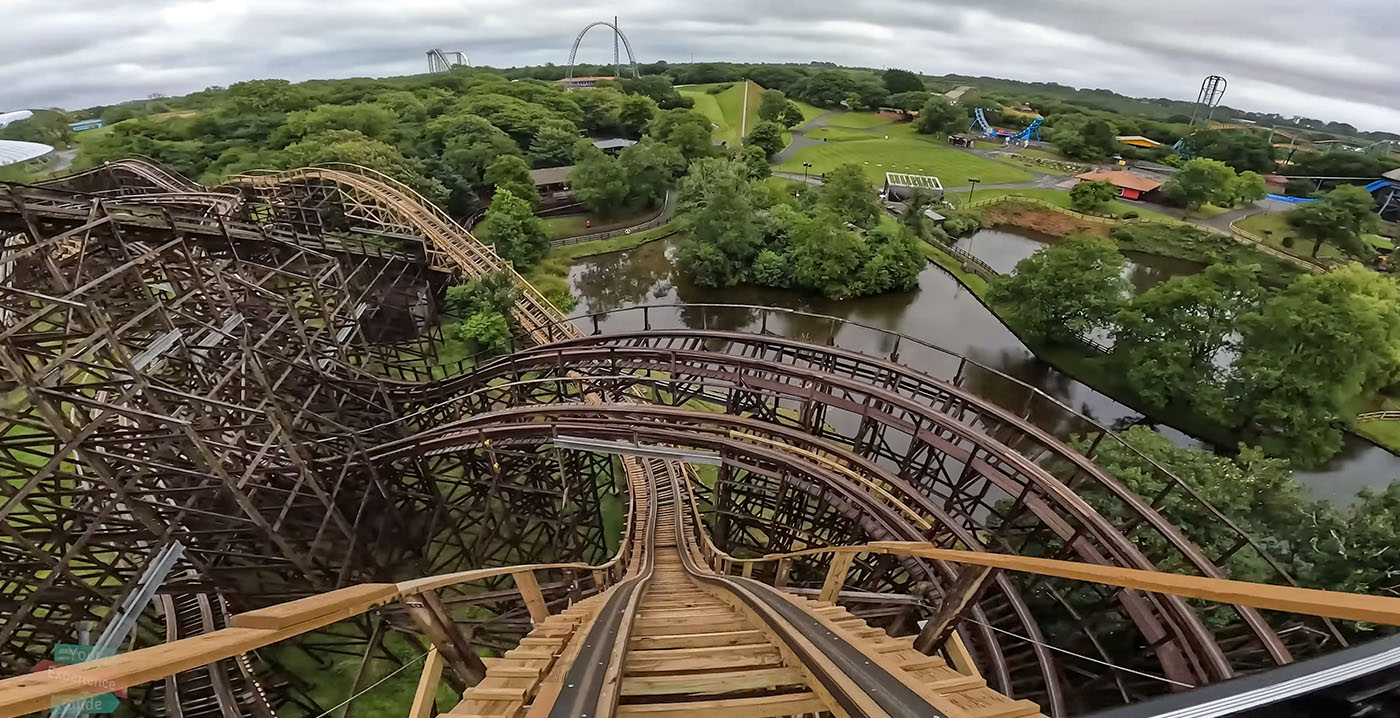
(14, 151)
(8, 117)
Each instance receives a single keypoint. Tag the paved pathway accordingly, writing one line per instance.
(800, 138)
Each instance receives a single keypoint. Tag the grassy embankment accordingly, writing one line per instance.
(1274, 229)
(726, 109)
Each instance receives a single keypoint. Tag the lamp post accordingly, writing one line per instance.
(805, 166)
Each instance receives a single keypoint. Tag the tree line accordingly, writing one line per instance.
(1280, 367)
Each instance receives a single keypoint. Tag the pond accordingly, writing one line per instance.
(940, 311)
(1002, 249)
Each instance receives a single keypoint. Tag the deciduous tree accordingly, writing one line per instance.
(635, 113)
(509, 172)
(717, 214)
(1202, 181)
(940, 116)
(1338, 218)
(553, 145)
(511, 225)
(767, 136)
(897, 81)
(1092, 196)
(1307, 356)
(1170, 337)
(849, 196)
(1066, 290)
(600, 183)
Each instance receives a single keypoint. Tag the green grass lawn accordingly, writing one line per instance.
(1385, 433)
(857, 120)
(904, 153)
(1273, 227)
(842, 134)
(809, 112)
(574, 224)
(1057, 197)
(726, 109)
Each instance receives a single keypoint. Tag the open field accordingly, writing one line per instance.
(1059, 198)
(904, 152)
(726, 109)
(1274, 229)
(809, 112)
(857, 120)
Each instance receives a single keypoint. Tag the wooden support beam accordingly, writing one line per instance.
(963, 593)
(836, 577)
(784, 568)
(428, 681)
(534, 598)
(962, 658)
(427, 611)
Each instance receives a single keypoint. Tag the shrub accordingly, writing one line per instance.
(719, 88)
(487, 331)
(1130, 214)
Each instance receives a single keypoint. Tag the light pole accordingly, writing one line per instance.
(805, 166)
(971, 187)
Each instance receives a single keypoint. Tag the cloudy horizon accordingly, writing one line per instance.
(1331, 61)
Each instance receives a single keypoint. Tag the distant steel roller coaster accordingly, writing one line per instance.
(617, 65)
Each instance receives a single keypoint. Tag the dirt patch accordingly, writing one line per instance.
(1007, 214)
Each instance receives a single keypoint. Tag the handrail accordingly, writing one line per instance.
(248, 631)
(1267, 596)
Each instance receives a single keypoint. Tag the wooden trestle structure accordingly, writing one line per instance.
(251, 371)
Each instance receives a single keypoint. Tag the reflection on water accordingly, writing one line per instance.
(1002, 249)
(940, 312)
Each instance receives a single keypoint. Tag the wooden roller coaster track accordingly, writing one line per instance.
(678, 625)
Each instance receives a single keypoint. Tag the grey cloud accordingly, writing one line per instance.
(1334, 60)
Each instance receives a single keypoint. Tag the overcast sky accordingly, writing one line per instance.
(1331, 59)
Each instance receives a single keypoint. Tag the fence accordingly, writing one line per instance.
(1389, 415)
(662, 216)
(653, 223)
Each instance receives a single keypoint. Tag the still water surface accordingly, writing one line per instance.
(940, 312)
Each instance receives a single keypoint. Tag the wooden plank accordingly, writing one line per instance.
(662, 627)
(712, 683)
(1015, 709)
(699, 640)
(788, 704)
(34, 692)
(836, 576)
(428, 682)
(534, 599)
(358, 599)
(703, 659)
(961, 657)
(1308, 601)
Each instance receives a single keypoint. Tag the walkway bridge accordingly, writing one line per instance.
(803, 529)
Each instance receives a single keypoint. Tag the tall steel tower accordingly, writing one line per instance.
(1212, 91)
